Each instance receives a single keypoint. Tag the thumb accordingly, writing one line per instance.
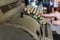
(48, 15)
(57, 22)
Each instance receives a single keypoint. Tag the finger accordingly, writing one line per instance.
(48, 15)
(52, 19)
(56, 22)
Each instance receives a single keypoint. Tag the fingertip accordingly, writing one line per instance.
(42, 14)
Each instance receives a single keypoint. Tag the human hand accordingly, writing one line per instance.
(53, 17)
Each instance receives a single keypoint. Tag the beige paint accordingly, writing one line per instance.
(0, 13)
(5, 2)
(8, 14)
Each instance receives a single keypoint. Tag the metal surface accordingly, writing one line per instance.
(15, 32)
(9, 32)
